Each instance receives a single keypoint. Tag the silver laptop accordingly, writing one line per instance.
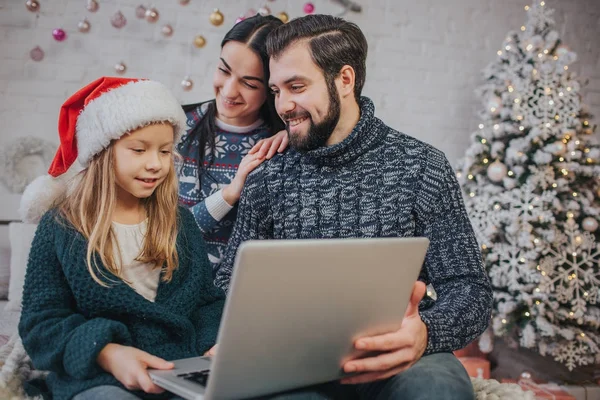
(293, 312)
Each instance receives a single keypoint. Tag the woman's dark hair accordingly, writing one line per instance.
(252, 32)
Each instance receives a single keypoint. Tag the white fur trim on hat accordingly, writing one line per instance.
(45, 191)
(122, 110)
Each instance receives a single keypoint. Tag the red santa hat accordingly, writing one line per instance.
(97, 114)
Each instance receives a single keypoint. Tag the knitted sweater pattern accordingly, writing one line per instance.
(376, 183)
(67, 318)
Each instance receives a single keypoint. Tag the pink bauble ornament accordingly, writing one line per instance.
(32, 5)
(59, 34)
(118, 20)
(152, 15)
(309, 8)
(84, 26)
(120, 68)
(92, 5)
(166, 30)
(589, 224)
(36, 54)
(140, 12)
(187, 84)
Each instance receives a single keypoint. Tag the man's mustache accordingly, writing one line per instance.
(294, 115)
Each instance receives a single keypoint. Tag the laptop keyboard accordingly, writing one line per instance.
(199, 377)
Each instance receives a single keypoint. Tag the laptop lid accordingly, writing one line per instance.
(295, 307)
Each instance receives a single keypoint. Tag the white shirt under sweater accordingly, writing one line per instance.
(142, 277)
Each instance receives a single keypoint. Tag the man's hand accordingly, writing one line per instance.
(401, 348)
(129, 366)
(268, 147)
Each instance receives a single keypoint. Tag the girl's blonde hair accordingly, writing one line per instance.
(89, 208)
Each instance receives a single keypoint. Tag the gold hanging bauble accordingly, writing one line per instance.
(199, 41)
(216, 17)
(283, 17)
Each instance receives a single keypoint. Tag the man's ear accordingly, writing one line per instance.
(345, 81)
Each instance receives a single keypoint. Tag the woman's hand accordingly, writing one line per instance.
(129, 366)
(269, 146)
(233, 191)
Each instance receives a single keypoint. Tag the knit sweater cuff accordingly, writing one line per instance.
(86, 342)
(438, 339)
(216, 205)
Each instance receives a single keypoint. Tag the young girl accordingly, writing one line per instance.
(118, 278)
(223, 143)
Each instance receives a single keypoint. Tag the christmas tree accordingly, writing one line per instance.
(532, 189)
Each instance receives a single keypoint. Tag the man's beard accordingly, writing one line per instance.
(318, 134)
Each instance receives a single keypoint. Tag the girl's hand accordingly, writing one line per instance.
(233, 191)
(129, 366)
(212, 351)
(269, 146)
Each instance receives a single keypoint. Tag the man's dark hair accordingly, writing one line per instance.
(333, 42)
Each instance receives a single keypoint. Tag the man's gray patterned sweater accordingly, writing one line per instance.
(376, 183)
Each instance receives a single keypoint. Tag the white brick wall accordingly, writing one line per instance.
(424, 61)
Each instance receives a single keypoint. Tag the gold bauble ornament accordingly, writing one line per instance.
(216, 17)
(199, 41)
(32, 5)
(283, 16)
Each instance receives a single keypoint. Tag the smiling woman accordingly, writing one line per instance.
(230, 136)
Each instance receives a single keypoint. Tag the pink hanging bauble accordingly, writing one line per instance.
(59, 34)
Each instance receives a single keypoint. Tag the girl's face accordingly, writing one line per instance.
(142, 161)
(239, 83)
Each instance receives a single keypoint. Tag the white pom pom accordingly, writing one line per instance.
(39, 196)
